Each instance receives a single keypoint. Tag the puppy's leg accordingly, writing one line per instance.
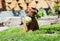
(24, 27)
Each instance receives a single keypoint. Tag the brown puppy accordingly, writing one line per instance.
(33, 25)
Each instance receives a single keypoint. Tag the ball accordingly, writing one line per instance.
(27, 19)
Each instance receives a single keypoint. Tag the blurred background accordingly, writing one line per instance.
(48, 10)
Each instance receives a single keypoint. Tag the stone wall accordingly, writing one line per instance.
(13, 21)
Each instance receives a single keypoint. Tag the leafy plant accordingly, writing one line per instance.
(40, 13)
(56, 7)
(49, 11)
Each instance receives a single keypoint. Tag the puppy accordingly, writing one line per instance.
(32, 25)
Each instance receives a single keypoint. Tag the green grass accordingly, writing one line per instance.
(45, 33)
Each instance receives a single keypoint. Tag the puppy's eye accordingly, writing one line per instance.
(36, 2)
(19, 3)
(9, 2)
(17, 0)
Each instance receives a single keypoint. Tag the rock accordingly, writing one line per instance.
(47, 20)
(13, 21)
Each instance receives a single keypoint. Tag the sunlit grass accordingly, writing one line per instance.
(45, 33)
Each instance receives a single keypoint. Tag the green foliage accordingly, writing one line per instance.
(56, 8)
(40, 13)
(49, 11)
(45, 33)
(51, 28)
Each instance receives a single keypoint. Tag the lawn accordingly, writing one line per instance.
(45, 33)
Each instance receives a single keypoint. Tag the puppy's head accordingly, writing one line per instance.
(31, 11)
